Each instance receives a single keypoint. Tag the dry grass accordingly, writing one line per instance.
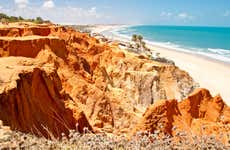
(75, 140)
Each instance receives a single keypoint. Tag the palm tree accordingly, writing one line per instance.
(134, 38)
(143, 44)
(139, 38)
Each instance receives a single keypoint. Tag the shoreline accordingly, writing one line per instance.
(209, 73)
(211, 57)
(200, 56)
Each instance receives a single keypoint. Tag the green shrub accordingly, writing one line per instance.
(5, 18)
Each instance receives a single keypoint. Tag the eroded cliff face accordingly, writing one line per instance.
(30, 46)
(72, 78)
(199, 114)
(32, 99)
(25, 29)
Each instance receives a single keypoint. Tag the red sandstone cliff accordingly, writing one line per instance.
(199, 114)
(32, 99)
(72, 78)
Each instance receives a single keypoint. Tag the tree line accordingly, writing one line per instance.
(5, 18)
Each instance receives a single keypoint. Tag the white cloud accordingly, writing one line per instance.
(227, 13)
(166, 14)
(21, 3)
(92, 12)
(176, 16)
(60, 14)
(48, 4)
(185, 16)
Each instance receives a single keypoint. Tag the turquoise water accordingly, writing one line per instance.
(212, 42)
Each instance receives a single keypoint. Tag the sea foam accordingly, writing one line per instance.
(220, 54)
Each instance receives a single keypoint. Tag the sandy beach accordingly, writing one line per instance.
(209, 73)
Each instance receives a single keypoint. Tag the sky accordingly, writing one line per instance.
(154, 12)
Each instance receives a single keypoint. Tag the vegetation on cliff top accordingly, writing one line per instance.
(138, 39)
(5, 18)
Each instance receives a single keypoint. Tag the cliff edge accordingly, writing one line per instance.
(54, 78)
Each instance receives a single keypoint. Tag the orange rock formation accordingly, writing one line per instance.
(55, 77)
(32, 99)
(30, 46)
(199, 114)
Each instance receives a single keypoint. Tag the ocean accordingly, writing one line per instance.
(213, 42)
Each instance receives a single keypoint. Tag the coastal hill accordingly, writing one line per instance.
(54, 79)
